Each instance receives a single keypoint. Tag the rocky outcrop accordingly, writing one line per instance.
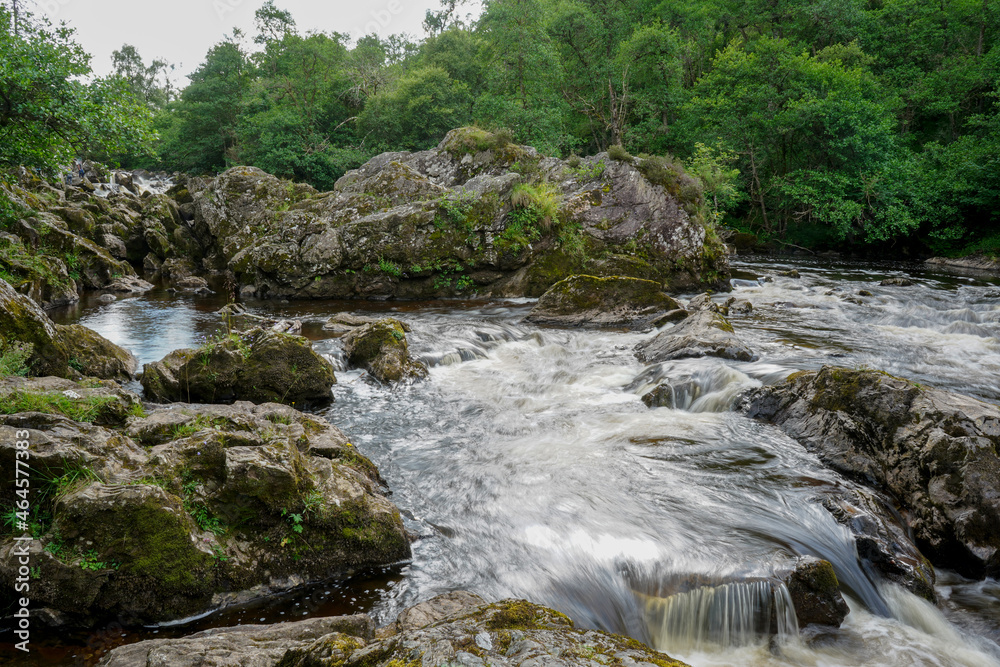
(191, 507)
(69, 351)
(381, 349)
(612, 301)
(704, 333)
(459, 219)
(975, 263)
(933, 451)
(259, 365)
(456, 628)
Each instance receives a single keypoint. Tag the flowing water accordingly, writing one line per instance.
(527, 465)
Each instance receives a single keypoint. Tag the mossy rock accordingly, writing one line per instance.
(259, 365)
(381, 349)
(612, 301)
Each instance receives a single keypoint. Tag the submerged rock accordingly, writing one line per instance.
(192, 507)
(456, 628)
(68, 351)
(933, 451)
(612, 301)
(704, 333)
(381, 349)
(896, 282)
(259, 365)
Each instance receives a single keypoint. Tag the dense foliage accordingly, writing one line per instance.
(49, 112)
(813, 122)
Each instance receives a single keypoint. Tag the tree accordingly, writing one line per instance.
(148, 82)
(48, 114)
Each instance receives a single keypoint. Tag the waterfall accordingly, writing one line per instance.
(729, 615)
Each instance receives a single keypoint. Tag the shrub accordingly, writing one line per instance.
(14, 359)
(619, 154)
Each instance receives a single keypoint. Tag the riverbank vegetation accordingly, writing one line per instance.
(866, 123)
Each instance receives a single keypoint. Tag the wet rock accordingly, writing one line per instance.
(258, 365)
(342, 323)
(977, 262)
(129, 284)
(815, 592)
(933, 451)
(511, 632)
(192, 507)
(176, 269)
(882, 539)
(381, 349)
(61, 350)
(793, 273)
(613, 301)
(736, 306)
(670, 317)
(864, 292)
(449, 605)
(192, 283)
(896, 282)
(704, 302)
(704, 333)
(244, 645)
(107, 298)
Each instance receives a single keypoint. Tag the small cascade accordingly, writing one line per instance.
(695, 386)
(475, 345)
(729, 615)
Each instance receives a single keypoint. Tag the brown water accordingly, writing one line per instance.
(527, 465)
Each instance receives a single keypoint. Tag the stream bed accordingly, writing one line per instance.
(527, 465)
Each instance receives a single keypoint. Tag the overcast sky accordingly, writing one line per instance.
(182, 31)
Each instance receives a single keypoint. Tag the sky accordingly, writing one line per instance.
(182, 31)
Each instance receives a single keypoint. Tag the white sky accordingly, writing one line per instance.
(182, 31)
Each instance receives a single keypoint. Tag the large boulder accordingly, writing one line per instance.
(477, 213)
(69, 351)
(704, 333)
(381, 349)
(259, 365)
(611, 301)
(935, 452)
(193, 507)
(814, 590)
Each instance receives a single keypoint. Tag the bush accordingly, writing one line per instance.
(541, 200)
(619, 154)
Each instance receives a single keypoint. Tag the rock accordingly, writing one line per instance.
(293, 327)
(257, 365)
(60, 350)
(381, 349)
(130, 284)
(344, 322)
(670, 317)
(933, 451)
(507, 633)
(193, 283)
(193, 507)
(976, 262)
(815, 592)
(449, 605)
(736, 306)
(704, 333)
(864, 292)
(792, 273)
(107, 298)
(446, 221)
(101, 402)
(175, 270)
(244, 645)
(612, 301)
(897, 282)
(704, 302)
(881, 538)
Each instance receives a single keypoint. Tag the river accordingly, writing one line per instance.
(527, 465)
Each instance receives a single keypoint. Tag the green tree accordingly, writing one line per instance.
(48, 114)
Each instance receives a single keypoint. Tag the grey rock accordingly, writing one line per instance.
(933, 451)
(381, 349)
(613, 301)
(704, 333)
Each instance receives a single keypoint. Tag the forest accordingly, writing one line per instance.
(869, 125)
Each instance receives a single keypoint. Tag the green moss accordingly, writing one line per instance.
(521, 615)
